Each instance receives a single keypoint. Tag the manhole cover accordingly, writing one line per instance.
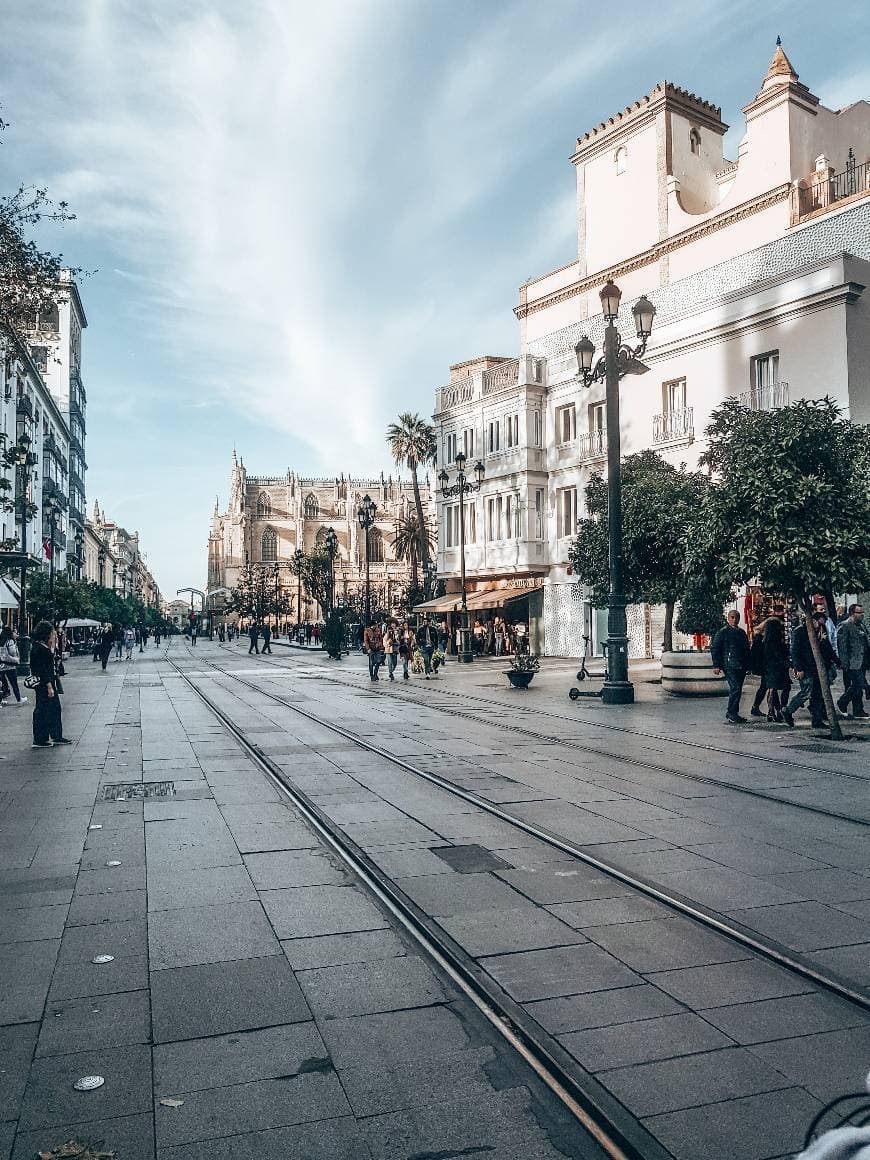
(470, 859)
(136, 790)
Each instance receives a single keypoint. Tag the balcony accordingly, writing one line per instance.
(24, 406)
(593, 445)
(501, 377)
(767, 398)
(825, 188)
(674, 426)
(77, 516)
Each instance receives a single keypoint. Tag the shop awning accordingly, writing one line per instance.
(440, 604)
(491, 597)
(8, 593)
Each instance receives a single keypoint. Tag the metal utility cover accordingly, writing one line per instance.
(470, 859)
(137, 790)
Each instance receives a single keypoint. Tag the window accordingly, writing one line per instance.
(765, 369)
(311, 510)
(512, 430)
(539, 513)
(566, 423)
(493, 437)
(597, 417)
(468, 442)
(451, 448)
(375, 546)
(619, 160)
(451, 525)
(264, 506)
(694, 140)
(538, 429)
(40, 357)
(566, 511)
(494, 517)
(674, 396)
(269, 546)
(512, 517)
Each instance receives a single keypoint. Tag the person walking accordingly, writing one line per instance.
(730, 653)
(107, 639)
(143, 637)
(253, 637)
(267, 638)
(407, 644)
(805, 670)
(119, 642)
(391, 648)
(854, 646)
(756, 667)
(9, 660)
(774, 676)
(47, 717)
(373, 643)
(129, 641)
(427, 640)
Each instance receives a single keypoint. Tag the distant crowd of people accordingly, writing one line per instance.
(122, 640)
(776, 655)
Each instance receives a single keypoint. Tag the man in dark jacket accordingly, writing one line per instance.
(253, 637)
(267, 639)
(730, 652)
(806, 671)
(853, 647)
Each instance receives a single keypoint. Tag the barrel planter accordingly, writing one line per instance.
(690, 674)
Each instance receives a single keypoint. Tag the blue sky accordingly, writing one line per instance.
(298, 214)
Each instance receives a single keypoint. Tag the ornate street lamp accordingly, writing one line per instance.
(80, 540)
(298, 562)
(330, 541)
(366, 516)
(25, 461)
(462, 487)
(54, 508)
(618, 360)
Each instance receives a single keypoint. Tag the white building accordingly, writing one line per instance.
(757, 268)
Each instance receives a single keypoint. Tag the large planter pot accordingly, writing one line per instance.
(690, 674)
(519, 680)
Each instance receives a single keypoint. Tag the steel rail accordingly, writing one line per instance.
(745, 937)
(508, 1023)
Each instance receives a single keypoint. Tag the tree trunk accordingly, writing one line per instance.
(415, 572)
(668, 639)
(822, 669)
(421, 522)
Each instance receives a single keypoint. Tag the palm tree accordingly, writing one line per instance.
(412, 444)
(406, 544)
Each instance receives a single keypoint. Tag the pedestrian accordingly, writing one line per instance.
(373, 643)
(443, 636)
(119, 642)
(427, 640)
(107, 639)
(267, 639)
(407, 644)
(854, 653)
(391, 648)
(756, 667)
(315, 635)
(129, 641)
(774, 676)
(309, 628)
(806, 671)
(47, 717)
(253, 637)
(143, 637)
(9, 661)
(730, 653)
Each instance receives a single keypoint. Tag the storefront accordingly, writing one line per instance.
(518, 601)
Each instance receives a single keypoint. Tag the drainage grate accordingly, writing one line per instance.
(136, 790)
(470, 859)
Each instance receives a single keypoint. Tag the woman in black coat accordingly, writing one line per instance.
(776, 666)
(47, 720)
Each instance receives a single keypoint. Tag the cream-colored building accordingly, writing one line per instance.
(271, 517)
(757, 268)
(112, 559)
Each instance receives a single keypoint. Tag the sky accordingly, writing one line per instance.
(294, 216)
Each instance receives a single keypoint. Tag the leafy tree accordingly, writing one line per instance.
(406, 544)
(701, 608)
(333, 634)
(659, 502)
(412, 443)
(789, 502)
(253, 596)
(316, 574)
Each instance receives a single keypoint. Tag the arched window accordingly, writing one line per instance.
(376, 546)
(620, 159)
(694, 140)
(264, 506)
(312, 507)
(269, 546)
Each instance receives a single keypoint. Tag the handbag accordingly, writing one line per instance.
(31, 682)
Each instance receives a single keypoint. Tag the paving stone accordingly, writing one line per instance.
(556, 882)
(385, 1040)
(570, 970)
(305, 912)
(824, 885)
(130, 1137)
(98, 1021)
(32, 925)
(119, 906)
(223, 997)
(364, 988)
(666, 944)
(334, 949)
(108, 879)
(784, 1018)
(223, 1060)
(602, 1008)
(724, 983)
(334, 1139)
(643, 1041)
(441, 894)
(805, 926)
(667, 1085)
(51, 1099)
(204, 887)
(771, 1124)
(607, 911)
(495, 932)
(209, 934)
(253, 1106)
(367, 834)
(7, 1135)
(851, 963)
(25, 975)
(282, 870)
(408, 861)
(827, 1065)
(372, 1091)
(16, 1051)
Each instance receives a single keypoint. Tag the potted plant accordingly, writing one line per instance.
(690, 673)
(523, 668)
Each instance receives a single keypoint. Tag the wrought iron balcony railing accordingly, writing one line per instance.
(674, 426)
(767, 398)
(593, 445)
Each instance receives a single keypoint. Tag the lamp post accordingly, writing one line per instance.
(366, 516)
(462, 487)
(330, 541)
(617, 361)
(80, 541)
(276, 576)
(25, 460)
(298, 561)
(53, 512)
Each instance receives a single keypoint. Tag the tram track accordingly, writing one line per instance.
(642, 763)
(673, 901)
